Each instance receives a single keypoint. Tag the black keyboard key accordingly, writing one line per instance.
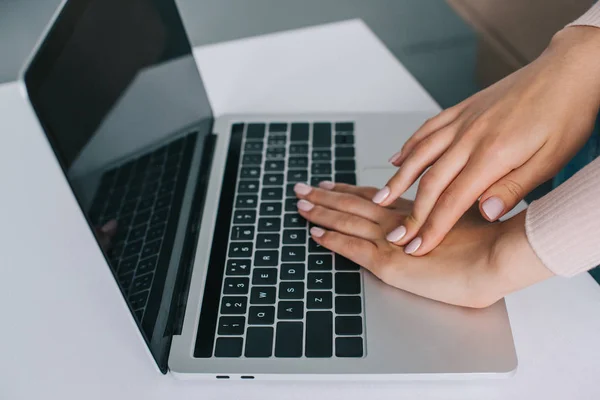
(141, 283)
(314, 247)
(267, 241)
(348, 347)
(291, 204)
(236, 286)
(277, 153)
(347, 283)
(277, 140)
(261, 315)
(151, 249)
(297, 162)
(271, 193)
(244, 217)
(344, 126)
(250, 172)
(343, 264)
(238, 267)
(343, 139)
(346, 177)
(319, 334)
(291, 290)
(293, 253)
(255, 131)
(321, 168)
(273, 179)
(292, 272)
(315, 180)
(298, 149)
(262, 295)
(345, 165)
(138, 300)
(270, 209)
(322, 134)
(320, 262)
(137, 233)
(248, 186)
(125, 281)
(277, 127)
(234, 305)
(259, 342)
(159, 217)
(132, 249)
(348, 325)
(344, 152)
(128, 265)
(254, 146)
(246, 201)
(294, 236)
(321, 155)
(289, 190)
(147, 265)
(241, 232)
(269, 224)
(128, 208)
(264, 276)
(320, 281)
(231, 325)
(348, 305)
(299, 175)
(252, 159)
(319, 300)
(228, 347)
(290, 310)
(293, 220)
(240, 249)
(141, 218)
(266, 258)
(288, 342)
(299, 132)
(274, 166)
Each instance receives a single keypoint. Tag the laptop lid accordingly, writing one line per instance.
(113, 77)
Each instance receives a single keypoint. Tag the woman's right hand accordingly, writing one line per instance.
(499, 144)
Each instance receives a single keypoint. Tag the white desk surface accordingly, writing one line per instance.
(66, 334)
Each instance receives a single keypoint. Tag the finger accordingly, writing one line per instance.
(345, 202)
(430, 126)
(455, 200)
(507, 192)
(431, 186)
(109, 228)
(339, 221)
(366, 192)
(361, 251)
(424, 155)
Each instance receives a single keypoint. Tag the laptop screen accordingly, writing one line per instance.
(116, 88)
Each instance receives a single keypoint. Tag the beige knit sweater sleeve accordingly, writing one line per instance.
(563, 227)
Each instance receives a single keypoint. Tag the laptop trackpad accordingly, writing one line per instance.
(378, 177)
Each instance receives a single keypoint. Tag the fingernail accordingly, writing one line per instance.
(413, 245)
(493, 207)
(396, 234)
(109, 226)
(316, 231)
(381, 195)
(305, 205)
(327, 185)
(302, 189)
(395, 157)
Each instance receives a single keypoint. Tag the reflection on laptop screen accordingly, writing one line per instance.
(116, 88)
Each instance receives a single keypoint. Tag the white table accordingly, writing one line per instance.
(65, 332)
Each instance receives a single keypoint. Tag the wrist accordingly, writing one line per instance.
(515, 263)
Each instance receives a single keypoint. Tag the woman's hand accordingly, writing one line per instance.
(477, 263)
(499, 144)
(105, 234)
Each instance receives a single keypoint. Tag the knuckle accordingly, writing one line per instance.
(429, 181)
(514, 188)
(447, 200)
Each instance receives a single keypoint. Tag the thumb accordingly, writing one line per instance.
(507, 192)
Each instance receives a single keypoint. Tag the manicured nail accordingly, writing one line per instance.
(493, 207)
(305, 205)
(381, 195)
(327, 185)
(109, 226)
(413, 245)
(396, 234)
(395, 157)
(316, 231)
(302, 189)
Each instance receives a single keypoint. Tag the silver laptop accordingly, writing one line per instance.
(211, 256)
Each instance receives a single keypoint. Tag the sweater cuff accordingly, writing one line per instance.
(590, 18)
(563, 227)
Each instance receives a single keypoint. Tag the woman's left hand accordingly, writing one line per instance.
(477, 263)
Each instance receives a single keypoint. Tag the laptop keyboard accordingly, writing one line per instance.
(282, 295)
(144, 196)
